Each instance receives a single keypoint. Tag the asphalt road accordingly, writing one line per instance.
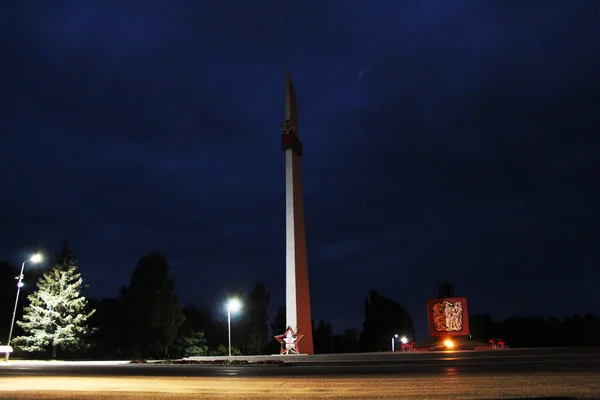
(566, 373)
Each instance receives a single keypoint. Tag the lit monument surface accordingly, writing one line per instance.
(297, 298)
(447, 315)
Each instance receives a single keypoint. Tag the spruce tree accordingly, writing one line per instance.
(57, 314)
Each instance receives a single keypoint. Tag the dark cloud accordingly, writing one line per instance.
(455, 140)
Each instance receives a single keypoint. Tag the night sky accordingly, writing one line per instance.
(450, 140)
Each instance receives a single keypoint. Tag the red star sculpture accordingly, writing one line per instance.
(289, 341)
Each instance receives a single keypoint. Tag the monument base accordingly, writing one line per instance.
(455, 343)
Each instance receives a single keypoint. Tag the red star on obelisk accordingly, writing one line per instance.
(289, 341)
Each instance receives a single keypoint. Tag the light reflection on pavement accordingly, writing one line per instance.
(547, 373)
(447, 386)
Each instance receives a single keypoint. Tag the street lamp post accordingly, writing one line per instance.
(232, 305)
(36, 258)
(394, 341)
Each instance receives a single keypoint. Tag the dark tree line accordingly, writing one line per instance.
(537, 331)
(146, 320)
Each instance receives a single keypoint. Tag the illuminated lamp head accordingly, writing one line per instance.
(448, 343)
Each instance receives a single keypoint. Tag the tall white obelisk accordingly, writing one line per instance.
(297, 304)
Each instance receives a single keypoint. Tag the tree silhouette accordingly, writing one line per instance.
(277, 328)
(255, 327)
(482, 327)
(323, 337)
(152, 311)
(349, 342)
(192, 339)
(110, 320)
(383, 319)
(8, 289)
(65, 258)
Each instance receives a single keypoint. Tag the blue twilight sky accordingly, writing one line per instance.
(442, 139)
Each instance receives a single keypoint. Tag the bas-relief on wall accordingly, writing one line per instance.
(448, 317)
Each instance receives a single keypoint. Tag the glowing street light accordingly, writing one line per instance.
(404, 339)
(36, 258)
(233, 305)
(394, 341)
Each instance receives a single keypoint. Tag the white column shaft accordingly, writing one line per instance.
(290, 249)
